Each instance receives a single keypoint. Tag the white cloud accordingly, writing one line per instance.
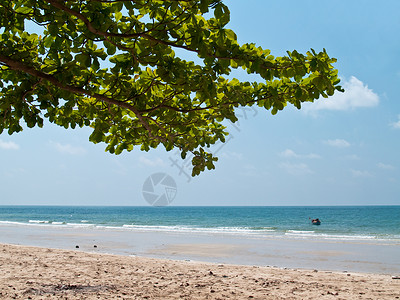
(385, 166)
(151, 162)
(360, 173)
(296, 169)
(288, 153)
(339, 143)
(8, 145)
(68, 149)
(396, 125)
(356, 95)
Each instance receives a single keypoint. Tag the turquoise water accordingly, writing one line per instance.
(338, 222)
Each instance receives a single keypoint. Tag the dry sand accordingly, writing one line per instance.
(40, 273)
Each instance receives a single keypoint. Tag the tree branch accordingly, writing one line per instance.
(19, 66)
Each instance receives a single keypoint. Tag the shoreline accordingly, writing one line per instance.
(35, 273)
(353, 256)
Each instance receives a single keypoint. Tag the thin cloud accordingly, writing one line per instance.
(338, 143)
(232, 155)
(356, 95)
(352, 157)
(249, 170)
(361, 173)
(151, 162)
(16, 172)
(68, 149)
(296, 169)
(8, 145)
(288, 153)
(385, 166)
(120, 168)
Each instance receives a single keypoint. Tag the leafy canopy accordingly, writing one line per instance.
(111, 65)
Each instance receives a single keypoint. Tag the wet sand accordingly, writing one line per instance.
(379, 257)
(43, 273)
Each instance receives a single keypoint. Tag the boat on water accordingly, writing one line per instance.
(315, 222)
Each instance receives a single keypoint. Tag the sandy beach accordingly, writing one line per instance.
(43, 273)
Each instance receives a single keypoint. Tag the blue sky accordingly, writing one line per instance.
(340, 151)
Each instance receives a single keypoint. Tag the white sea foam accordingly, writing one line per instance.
(311, 234)
(102, 227)
(39, 221)
(210, 230)
(80, 225)
(348, 237)
(11, 223)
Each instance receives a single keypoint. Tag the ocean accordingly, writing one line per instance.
(340, 223)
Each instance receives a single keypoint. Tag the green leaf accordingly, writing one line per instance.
(53, 29)
(111, 49)
(118, 16)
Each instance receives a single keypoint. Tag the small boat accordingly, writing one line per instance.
(315, 222)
